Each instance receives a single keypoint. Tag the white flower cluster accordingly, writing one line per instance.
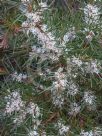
(83, 133)
(72, 88)
(74, 109)
(57, 99)
(34, 110)
(33, 133)
(25, 1)
(37, 50)
(62, 129)
(97, 0)
(31, 109)
(92, 67)
(95, 132)
(46, 38)
(19, 77)
(43, 5)
(69, 36)
(33, 18)
(73, 65)
(89, 98)
(61, 80)
(58, 87)
(91, 14)
(14, 102)
(90, 36)
(21, 117)
(76, 61)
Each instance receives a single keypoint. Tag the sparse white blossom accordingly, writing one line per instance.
(18, 77)
(34, 110)
(90, 36)
(83, 133)
(33, 133)
(61, 80)
(95, 132)
(89, 98)
(62, 129)
(70, 35)
(43, 5)
(72, 88)
(91, 14)
(58, 87)
(33, 17)
(58, 99)
(92, 67)
(74, 109)
(25, 1)
(43, 133)
(20, 118)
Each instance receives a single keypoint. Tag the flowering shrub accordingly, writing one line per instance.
(54, 84)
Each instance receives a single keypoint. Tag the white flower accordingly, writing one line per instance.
(83, 133)
(95, 132)
(61, 80)
(58, 100)
(43, 5)
(74, 109)
(20, 118)
(33, 17)
(34, 110)
(89, 37)
(14, 75)
(70, 35)
(72, 88)
(76, 61)
(25, 1)
(91, 14)
(33, 133)
(24, 76)
(89, 98)
(31, 109)
(58, 87)
(97, 0)
(19, 77)
(57, 93)
(14, 102)
(62, 129)
(92, 67)
(47, 39)
(59, 74)
(43, 133)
